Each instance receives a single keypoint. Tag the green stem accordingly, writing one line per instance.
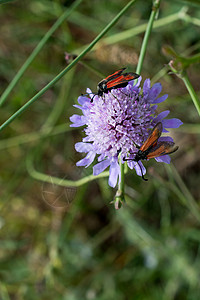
(182, 191)
(35, 52)
(59, 181)
(60, 103)
(129, 33)
(120, 197)
(34, 136)
(191, 91)
(190, 19)
(147, 35)
(62, 73)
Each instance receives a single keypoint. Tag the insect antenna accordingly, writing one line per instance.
(89, 94)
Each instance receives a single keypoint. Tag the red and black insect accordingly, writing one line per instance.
(114, 81)
(153, 148)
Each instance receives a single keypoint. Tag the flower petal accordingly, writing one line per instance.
(160, 99)
(101, 157)
(161, 116)
(100, 167)
(139, 167)
(146, 86)
(166, 139)
(136, 83)
(83, 147)
(87, 160)
(77, 120)
(131, 164)
(83, 99)
(114, 173)
(164, 158)
(172, 123)
(78, 106)
(155, 91)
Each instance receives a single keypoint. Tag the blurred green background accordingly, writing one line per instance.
(70, 243)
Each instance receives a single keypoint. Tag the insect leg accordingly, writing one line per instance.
(145, 179)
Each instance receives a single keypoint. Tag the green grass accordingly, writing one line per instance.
(65, 240)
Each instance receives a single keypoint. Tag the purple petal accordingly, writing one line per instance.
(114, 173)
(137, 83)
(146, 86)
(100, 167)
(131, 164)
(164, 158)
(78, 106)
(155, 91)
(166, 139)
(161, 116)
(172, 123)
(88, 91)
(87, 160)
(83, 147)
(83, 99)
(138, 168)
(101, 157)
(160, 99)
(154, 107)
(91, 95)
(77, 120)
(82, 162)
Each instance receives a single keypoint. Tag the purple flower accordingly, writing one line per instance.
(116, 123)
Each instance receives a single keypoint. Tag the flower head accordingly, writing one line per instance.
(116, 123)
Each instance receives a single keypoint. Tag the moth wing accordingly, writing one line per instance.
(121, 80)
(153, 137)
(114, 75)
(162, 148)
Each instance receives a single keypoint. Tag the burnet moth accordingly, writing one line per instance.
(153, 148)
(116, 80)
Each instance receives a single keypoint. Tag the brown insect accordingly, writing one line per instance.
(153, 148)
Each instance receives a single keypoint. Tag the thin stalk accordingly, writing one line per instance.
(147, 35)
(129, 33)
(190, 19)
(60, 103)
(59, 181)
(182, 191)
(120, 197)
(34, 136)
(71, 65)
(191, 91)
(35, 52)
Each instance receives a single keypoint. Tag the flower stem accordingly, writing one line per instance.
(63, 72)
(119, 197)
(147, 35)
(191, 91)
(59, 181)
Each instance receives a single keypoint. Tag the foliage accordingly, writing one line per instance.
(63, 239)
